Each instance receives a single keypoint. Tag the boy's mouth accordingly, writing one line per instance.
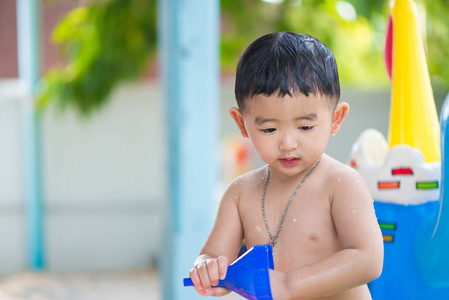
(288, 162)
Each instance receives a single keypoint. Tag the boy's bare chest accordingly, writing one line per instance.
(307, 232)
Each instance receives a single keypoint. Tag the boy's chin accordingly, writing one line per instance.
(289, 170)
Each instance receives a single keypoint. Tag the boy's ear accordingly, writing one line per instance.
(340, 113)
(238, 119)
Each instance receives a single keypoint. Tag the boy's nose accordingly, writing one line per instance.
(288, 142)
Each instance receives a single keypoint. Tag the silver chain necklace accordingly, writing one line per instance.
(274, 239)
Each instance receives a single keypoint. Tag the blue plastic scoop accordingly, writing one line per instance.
(248, 276)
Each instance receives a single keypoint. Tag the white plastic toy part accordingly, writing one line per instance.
(397, 175)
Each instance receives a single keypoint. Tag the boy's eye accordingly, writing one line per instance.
(305, 127)
(268, 130)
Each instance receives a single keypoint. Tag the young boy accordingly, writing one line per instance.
(316, 212)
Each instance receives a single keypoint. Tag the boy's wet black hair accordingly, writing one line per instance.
(286, 63)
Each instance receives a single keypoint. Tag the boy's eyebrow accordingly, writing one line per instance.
(261, 120)
(310, 117)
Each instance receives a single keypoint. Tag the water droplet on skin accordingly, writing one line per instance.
(294, 220)
(354, 211)
(338, 179)
(258, 229)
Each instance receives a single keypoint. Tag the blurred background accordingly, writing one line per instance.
(102, 132)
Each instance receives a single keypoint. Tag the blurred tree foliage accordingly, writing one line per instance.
(109, 41)
(105, 42)
(357, 41)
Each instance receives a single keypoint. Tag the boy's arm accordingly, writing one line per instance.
(361, 258)
(221, 247)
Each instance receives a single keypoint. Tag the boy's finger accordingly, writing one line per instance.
(193, 274)
(223, 264)
(197, 282)
(204, 276)
(218, 292)
(200, 291)
(212, 268)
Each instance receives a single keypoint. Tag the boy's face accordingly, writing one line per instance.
(289, 133)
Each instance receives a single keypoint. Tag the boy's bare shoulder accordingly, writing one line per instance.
(339, 176)
(248, 182)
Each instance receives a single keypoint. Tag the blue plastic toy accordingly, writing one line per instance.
(248, 276)
(416, 264)
(432, 238)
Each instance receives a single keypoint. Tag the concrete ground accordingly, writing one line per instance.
(135, 285)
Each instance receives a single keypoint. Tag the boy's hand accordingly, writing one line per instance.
(206, 273)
